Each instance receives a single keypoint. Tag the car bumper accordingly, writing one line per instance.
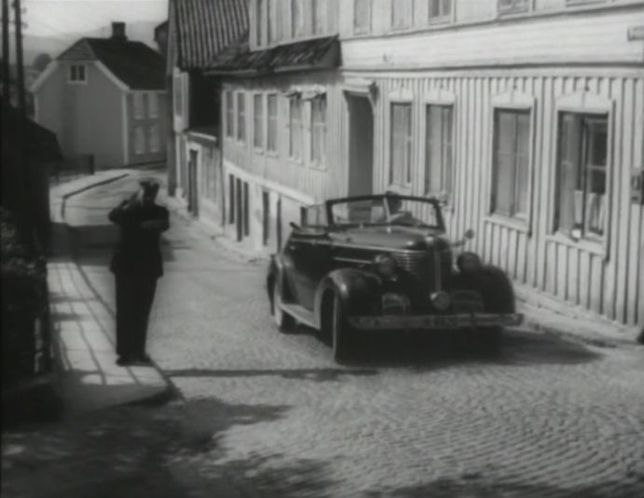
(435, 322)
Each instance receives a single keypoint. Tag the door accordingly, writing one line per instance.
(193, 194)
(360, 145)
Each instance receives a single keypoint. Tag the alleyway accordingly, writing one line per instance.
(258, 413)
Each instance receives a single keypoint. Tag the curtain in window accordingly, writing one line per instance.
(400, 168)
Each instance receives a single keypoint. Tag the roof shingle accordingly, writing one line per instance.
(205, 28)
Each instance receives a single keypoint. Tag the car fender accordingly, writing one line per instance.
(358, 291)
(275, 271)
(495, 288)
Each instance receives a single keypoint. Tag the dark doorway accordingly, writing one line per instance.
(360, 145)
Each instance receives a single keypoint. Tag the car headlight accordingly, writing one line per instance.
(440, 300)
(385, 265)
(468, 262)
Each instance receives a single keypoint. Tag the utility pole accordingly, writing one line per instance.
(23, 166)
(6, 75)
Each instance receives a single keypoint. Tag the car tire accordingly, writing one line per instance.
(341, 332)
(285, 322)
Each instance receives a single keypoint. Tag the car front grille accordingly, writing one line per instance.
(420, 266)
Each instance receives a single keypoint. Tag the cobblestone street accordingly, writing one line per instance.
(259, 413)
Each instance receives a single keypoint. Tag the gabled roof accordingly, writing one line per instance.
(318, 53)
(134, 63)
(203, 29)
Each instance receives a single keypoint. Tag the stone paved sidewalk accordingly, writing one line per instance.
(83, 325)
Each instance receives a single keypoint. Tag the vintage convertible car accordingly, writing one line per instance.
(382, 262)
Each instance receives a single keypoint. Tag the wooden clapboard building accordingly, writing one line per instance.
(526, 117)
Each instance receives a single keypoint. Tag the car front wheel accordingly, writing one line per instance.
(283, 320)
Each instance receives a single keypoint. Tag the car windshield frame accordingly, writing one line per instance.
(386, 199)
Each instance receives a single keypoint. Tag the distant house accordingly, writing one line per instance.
(104, 97)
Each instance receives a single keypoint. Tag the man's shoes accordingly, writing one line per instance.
(124, 361)
(143, 359)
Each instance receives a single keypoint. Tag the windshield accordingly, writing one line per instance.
(386, 210)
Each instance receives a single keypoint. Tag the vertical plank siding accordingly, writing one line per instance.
(589, 282)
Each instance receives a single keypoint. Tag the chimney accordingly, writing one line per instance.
(118, 31)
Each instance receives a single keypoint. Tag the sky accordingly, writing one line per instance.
(55, 18)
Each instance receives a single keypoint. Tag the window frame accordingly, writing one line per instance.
(229, 111)
(154, 138)
(444, 195)
(259, 122)
(368, 26)
(320, 126)
(299, 158)
(153, 105)
(587, 121)
(73, 78)
(240, 117)
(139, 145)
(441, 18)
(274, 121)
(583, 102)
(514, 213)
(407, 174)
(513, 9)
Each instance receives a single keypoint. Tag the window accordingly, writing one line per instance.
(138, 105)
(319, 16)
(297, 18)
(139, 140)
(438, 149)
(295, 127)
(511, 162)
(178, 102)
(402, 13)
(258, 121)
(231, 199)
(77, 73)
(270, 16)
(153, 105)
(318, 130)
(266, 218)
(241, 116)
(230, 114)
(400, 167)
(259, 22)
(512, 6)
(439, 9)
(271, 125)
(362, 16)
(581, 175)
(154, 139)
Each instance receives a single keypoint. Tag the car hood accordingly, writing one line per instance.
(390, 237)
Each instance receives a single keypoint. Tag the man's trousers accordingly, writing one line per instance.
(134, 296)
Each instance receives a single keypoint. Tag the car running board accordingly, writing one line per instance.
(300, 313)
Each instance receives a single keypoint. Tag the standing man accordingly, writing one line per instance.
(137, 264)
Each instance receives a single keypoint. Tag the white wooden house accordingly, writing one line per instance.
(525, 116)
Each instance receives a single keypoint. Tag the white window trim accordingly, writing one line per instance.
(85, 70)
(517, 101)
(583, 103)
(399, 96)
